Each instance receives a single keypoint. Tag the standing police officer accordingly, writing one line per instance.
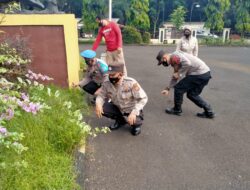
(96, 73)
(190, 76)
(127, 100)
(188, 43)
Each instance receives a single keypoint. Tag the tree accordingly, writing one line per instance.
(154, 13)
(178, 17)
(91, 9)
(242, 16)
(121, 10)
(71, 6)
(215, 11)
(139, 14)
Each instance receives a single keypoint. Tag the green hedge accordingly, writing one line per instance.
(146, 37)
(131, 35)
(219, 42)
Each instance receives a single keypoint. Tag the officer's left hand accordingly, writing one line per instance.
(131, 118)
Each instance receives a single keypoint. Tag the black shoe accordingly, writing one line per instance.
(136, 130)
(209, 115)
(115, 126)
(173, 111)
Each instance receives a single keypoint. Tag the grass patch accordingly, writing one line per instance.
(219, 42)
(51, 138)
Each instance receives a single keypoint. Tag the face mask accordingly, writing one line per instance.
(88, 62)
(187, 35)
(114, 80)
(165, 63)
(101, 24)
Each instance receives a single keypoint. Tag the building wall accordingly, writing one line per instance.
(54, 43)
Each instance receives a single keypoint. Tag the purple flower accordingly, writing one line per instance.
(25, 97)
(3, 130)
(10, 113)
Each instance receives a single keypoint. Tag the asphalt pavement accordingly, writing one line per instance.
(172, 152)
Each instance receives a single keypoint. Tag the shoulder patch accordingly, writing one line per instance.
(175, 59)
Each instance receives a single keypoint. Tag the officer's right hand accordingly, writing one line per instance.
(165, 92)
(98, 110)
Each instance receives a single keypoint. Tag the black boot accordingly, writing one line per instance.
(136, 130)
(116, 125)
(174, 111)
(208, 113)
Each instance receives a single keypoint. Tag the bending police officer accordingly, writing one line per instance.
(190, 76)
(96, 73)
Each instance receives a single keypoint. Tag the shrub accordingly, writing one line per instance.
(131, 35)
(40, 126)
(146, 37)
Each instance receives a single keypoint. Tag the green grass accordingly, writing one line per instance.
(51, 140)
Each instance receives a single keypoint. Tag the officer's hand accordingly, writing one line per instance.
(176, 76)
(165, 92)
(119, 50)
(98, 110)
(131, 118)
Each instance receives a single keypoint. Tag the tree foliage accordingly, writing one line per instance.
(71, 6)
(91, 9)
(139, 14)
(178, 17)
(242, 16)
(154, 13)
(215, 11)
(121, 10)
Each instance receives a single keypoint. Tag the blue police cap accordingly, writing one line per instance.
(88, 54)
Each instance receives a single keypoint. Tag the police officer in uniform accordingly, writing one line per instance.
(96, 73)
(188, 43)
(190, 76)
(127, 100)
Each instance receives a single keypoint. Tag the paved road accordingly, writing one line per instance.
(179, 153)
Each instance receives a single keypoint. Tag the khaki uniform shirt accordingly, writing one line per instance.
(190, 65)
(128, 96)
(94, 73)
(189, 45)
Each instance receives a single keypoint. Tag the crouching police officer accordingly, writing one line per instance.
(96, 73)
(126, 100)
(190, 76)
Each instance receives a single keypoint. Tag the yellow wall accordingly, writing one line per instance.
(69, 24)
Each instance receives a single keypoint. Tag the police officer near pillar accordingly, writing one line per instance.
(190, 76)
(126, 100)
(188, 43)
(96, 73)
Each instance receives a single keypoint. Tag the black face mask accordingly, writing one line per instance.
(88, 62)
(165, 63)
(114, 80)
(100, 24)
(187, 35)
